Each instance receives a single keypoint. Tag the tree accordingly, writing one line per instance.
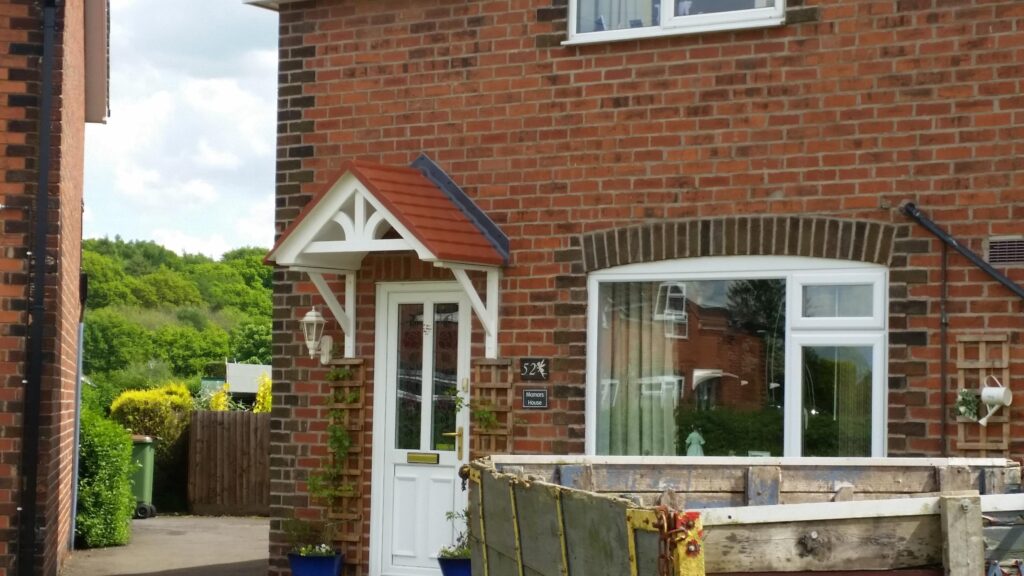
(759, 304)
(222, 286)
(249, 263)
(137, 257)
(112, 342)
(107, 281)
(172, 288)
(187, 350)
(250, 342)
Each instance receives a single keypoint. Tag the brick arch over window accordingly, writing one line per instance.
(810, 236)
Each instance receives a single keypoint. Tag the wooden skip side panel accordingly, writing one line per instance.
(867, 544)
(542, 547)
(595, 535)
(500, 529)
(476, 535)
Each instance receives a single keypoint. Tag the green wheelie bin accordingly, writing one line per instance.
(142, 479)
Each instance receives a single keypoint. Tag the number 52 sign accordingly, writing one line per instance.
(535, 369)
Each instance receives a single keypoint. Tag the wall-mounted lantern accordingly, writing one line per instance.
(313, 330)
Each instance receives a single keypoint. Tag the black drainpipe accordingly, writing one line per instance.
(911, 210)
(27, 528)
(944, 342)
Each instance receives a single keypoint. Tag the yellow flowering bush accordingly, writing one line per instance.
(263, 396)
(219, 402)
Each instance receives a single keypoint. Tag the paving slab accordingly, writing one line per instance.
(181, 546)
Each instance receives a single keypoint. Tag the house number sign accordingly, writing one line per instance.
(535, 369)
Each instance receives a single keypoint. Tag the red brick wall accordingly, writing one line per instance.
(845, 112)
(20, 52)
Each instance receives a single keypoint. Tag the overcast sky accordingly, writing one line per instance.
(187, 156)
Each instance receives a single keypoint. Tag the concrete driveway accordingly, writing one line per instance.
(181, 546)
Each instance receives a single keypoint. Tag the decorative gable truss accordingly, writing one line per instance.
(373, 208)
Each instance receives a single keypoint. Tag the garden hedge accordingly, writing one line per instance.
(105, 500)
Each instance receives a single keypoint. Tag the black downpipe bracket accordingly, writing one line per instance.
(27, 523)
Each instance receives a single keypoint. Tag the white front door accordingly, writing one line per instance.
(420, 438)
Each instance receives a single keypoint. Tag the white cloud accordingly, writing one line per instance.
(212, 245)
(135, 182)
(187, 157)
(255, 225)
(212, 157)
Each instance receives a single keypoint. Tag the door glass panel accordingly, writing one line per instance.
(691, 368)
(410, 376)
(446, 366)
(837, 400)
(837, 301)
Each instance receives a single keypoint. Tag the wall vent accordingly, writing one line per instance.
(1006, 250)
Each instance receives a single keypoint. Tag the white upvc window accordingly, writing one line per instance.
(782, 356)
(611, 20)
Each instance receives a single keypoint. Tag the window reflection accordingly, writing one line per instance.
(837, 400)
(410, 376)
(699, 356)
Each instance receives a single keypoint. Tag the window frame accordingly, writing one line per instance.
(796, 271)
(672, 25)
(795, 301)
(792, 437)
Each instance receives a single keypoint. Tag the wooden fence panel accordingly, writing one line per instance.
(229, 464)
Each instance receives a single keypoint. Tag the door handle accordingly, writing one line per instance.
(458, 440)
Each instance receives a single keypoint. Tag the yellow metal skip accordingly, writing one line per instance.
(685, 535)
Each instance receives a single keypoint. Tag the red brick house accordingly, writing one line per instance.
(54, 76)
(580, 185)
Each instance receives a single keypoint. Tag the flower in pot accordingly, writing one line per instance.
(455, 559)
(312, 551)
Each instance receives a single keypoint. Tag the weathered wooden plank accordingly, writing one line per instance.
(690, 500)
(500, 532)
(500, 564)
(595, 534)
(538, 506)
(963, 550)
(863, 480)
(864, 543)
(763, 483)
(616, 478)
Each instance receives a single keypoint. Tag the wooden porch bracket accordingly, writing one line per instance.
(487, 312)
(345, 316)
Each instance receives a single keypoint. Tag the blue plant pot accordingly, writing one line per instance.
(316, 565)
(454, 566)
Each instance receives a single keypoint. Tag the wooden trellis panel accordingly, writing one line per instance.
(491, 390)
(993, 358)
(347, 408)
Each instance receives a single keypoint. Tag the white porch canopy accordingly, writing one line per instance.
(374, 208)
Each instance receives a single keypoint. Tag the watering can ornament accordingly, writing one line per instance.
(995, 397)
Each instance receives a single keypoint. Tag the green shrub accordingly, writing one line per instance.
(732, 432)
(105, 501)
(163, 413)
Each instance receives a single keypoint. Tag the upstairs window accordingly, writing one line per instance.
(609, 20)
